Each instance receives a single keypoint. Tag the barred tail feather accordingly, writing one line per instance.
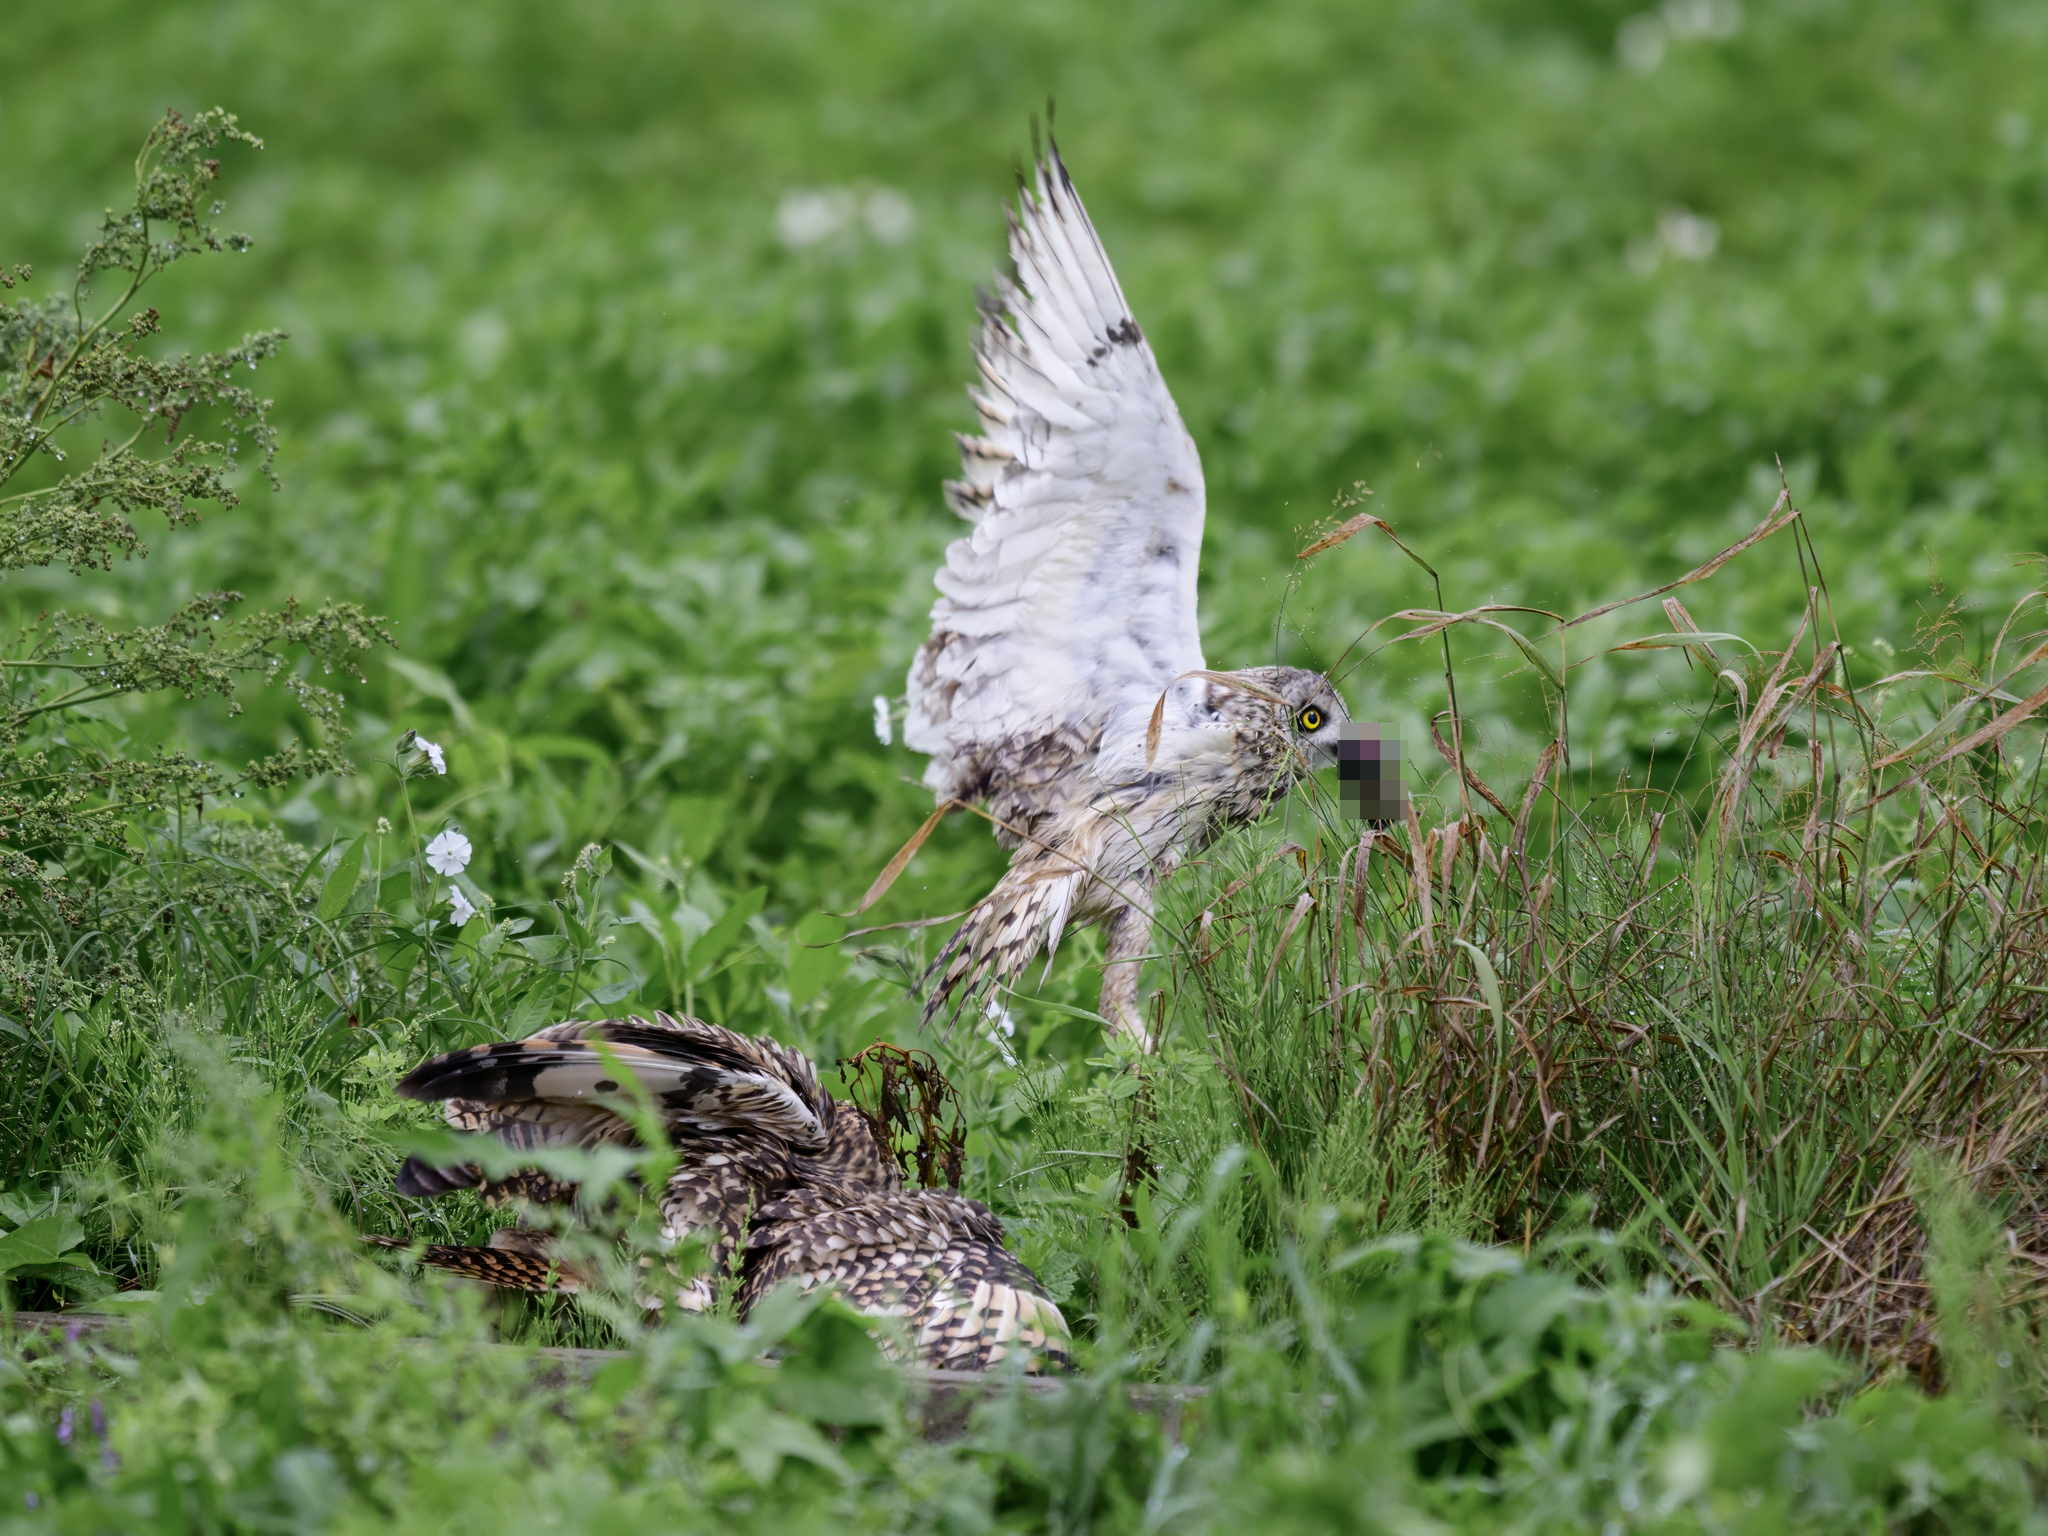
(508, 1269)
(973, 1324)
(1025, 914)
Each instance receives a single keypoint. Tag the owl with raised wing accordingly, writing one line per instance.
(782, 1182)
(1063, 684)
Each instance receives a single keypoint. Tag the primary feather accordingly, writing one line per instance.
(564, 1079)
(1071, 605)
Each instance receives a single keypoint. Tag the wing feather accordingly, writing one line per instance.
(556, 1089)
(930, 1257)
(1071, 603)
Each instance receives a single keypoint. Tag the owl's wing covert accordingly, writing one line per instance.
(554, 1088)
(1072, 603)
(929, 1257)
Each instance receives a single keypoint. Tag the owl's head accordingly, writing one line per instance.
(1314, 714)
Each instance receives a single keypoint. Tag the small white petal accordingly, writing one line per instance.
(882, 731)
(459, 908)
(448, 854)
(434, 755)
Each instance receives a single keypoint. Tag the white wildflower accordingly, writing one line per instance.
(999, 1020)
(459, 909)
(434, 755)
(1688, 236)
(448, 854)
(811, 217)
(1001, 1030)
(882, 732)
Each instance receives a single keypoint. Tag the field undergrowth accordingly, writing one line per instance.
(1645, 1133)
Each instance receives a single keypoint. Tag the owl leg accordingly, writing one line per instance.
(1130, 940)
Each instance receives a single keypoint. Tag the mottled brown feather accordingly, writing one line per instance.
(828, 1209)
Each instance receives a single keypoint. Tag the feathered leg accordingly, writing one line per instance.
(1130, 940)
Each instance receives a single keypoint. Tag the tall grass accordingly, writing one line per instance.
(272, 1379)
(1723, 1012)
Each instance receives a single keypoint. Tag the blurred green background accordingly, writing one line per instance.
(627, 339)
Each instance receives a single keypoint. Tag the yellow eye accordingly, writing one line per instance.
(1310, 719)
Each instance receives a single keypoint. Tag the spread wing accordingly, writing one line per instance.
(1072, 603)
(555, 1089)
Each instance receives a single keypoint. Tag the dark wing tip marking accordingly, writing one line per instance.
(423, 1181)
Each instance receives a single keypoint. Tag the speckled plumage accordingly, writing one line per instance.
(930, 1257)
(771, 1170)
(1067, 618)
(1101, 859)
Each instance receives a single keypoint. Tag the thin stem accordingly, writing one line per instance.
(1457, 716)
(68, 701)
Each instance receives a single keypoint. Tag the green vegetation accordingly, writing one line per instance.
(1647, 1137)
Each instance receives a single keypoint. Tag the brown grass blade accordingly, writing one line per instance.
(1781, 514)
(897, 865)
(1303, 905)
(1995, 731)
(1350, 529)
(1544, 763)
(1675, 611)
(1471, 778)
(1418, 861)
(1356, 526)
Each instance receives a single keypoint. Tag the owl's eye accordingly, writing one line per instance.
(1310, 719)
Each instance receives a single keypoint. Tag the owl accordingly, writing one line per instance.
(784, 1183)
(1063, 683)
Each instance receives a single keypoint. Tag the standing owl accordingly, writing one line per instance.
(1063, 682)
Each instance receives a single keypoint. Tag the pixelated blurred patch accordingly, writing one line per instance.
(1369, 783)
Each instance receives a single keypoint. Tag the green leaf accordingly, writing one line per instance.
(832, 1371)
(124, 1302)
(719, 937)
(761, 1439)
(341, 884)
(434, 683)
(613, 1381)
(1489, 988)
(1047, 1005)
(43, 1241)
(612, 992)
(535, 1011)
(550, 949)
(814, 958)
